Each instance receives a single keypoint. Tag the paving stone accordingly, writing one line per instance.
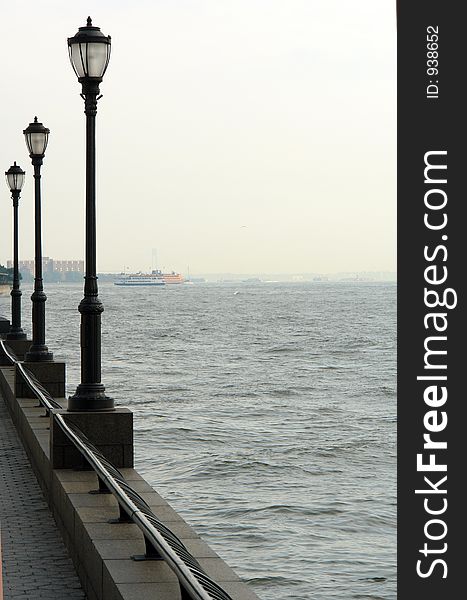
(35, 561)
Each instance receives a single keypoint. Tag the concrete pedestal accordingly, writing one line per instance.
(19, 347)
(50, 374)
(111, 432)
(4, 327)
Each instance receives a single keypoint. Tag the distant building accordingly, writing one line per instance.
(67, 266)
(53, 270)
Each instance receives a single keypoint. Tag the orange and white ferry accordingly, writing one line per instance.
(156, 277)
(138, 279)
(169, 277)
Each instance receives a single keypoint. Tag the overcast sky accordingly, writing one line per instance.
(233, 135)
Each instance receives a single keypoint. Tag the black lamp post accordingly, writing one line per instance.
(89, 53)
(37, 136)
(15, 181)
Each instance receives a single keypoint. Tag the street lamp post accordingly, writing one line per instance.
(37, 137)
(89, 52)
(15, 181)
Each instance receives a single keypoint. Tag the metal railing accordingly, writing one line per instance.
(7, 352)
(160, 542)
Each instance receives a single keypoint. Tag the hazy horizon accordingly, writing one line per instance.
(241, 137)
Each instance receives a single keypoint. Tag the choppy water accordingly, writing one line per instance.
(267, 418)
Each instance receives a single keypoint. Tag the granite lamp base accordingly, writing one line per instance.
(111, 432)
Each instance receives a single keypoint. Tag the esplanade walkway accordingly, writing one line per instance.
(36, 563)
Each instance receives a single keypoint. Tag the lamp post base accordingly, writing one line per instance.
(111, 432)
(16, 335)
(90, 397)
(20, 347)
(38, 354)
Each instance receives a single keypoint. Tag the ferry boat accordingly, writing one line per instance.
(169, 277)
(136, 279)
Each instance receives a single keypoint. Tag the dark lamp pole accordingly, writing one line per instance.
(89, 52)
(37, 137)
(15, 181)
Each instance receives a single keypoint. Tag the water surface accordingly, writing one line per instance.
(266, 417)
